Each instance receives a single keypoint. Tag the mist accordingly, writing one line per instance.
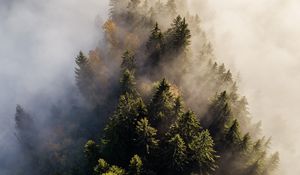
(39, 40)
(260, 42)
(257, 40)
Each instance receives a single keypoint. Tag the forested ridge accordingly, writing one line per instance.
(150, 99)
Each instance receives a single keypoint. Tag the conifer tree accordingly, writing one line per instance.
(26, 133)
(176, 156)
(179, 34)
(128, 83)
(91, 151)
(155, 45)
(219, 114)
(135, 166)
(103, 168)
(120, 130)
(187, 126)
(203, 156)
(128, 61)
(233, 136)
(161, 105)
(146, 136)
(84, 77)
(178, 108)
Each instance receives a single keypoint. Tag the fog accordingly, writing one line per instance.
(257, 40)
(38, 42)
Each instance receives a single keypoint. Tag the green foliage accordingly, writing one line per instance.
(177, 153)
(128, 83)
(91, 151)
(218, 115)
(146, 134)
(103, 168)
(233, 136)
(119, 132)
(187, 126)
(135, 166)
(179, 34)
(129, 62)
(203, 153)
(155, 45)
(161, 104)
(85, 79)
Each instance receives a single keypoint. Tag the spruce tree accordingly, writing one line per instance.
(176, 155)
(203, 156)
(128, 61)
(161, 105)
(26, 131)
(155, 45)
(135, 166)
(187, 126)
(179, 34)
(85, 77)
(128, 83)
(145, 137)
(218, 116)
(233, 136)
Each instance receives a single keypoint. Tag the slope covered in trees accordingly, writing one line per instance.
(151, 100)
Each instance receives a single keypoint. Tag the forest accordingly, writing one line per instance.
(150, 99)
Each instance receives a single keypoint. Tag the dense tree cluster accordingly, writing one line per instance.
(148, 102)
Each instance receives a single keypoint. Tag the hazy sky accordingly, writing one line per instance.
(261, 41)
(38, 42)
(258, 39)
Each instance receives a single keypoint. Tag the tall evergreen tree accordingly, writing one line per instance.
(160, 108)
(203, 156)
(135, 166)
(128, 61)
(187, 126)
(179, 34)
(233, 136)
(128, 83)
(155, 45)
(85, 77)
(146, 136)
(218, 116)
(176, 155)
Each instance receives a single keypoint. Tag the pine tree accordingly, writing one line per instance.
(161, 105)
(155, 45)
(176, 156)
(84, 77)
(103, 168)
(22, 119)
(128, 83)
(187, 126)
(146, 136)
(179, 35)
(129, 62)
(120, 131)
(233, 136)
(178, 108)
(26, 131)
(135, 166)
(218, 116)
(203, 156)
(91, 151)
